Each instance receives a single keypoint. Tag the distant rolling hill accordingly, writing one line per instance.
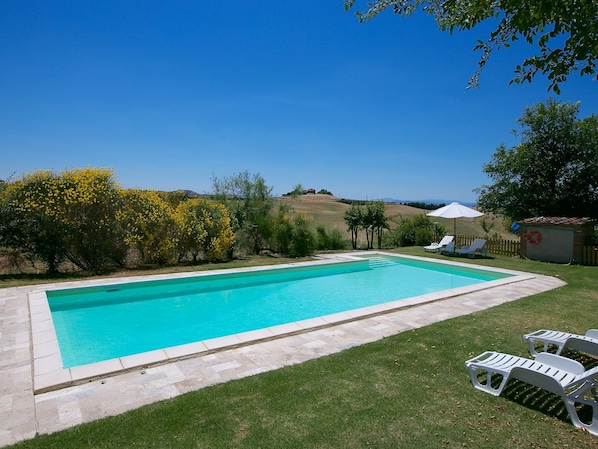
(328, 211)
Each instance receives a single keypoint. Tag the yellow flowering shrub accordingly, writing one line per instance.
(148, 225)
(82, 215)
(70, 215)
(204, 227)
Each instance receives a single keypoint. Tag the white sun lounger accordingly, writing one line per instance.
(439, 246)
(556, 374)
(562, 340)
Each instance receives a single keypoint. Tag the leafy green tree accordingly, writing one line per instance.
(304, 241)
(282, 235)
(329, 240)
(374, 222)
(414, 230)
(565, 32)
(552, 172)
(292, 234)
(354, 219)
(487, 226)
(367, 221)
(297, 191)
(249, 203)
(377, 211)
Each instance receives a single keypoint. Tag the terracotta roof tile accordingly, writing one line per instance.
(559, 220)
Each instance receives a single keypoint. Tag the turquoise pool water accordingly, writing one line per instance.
(100, 323)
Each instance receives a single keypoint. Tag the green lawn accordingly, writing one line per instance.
(410, 390)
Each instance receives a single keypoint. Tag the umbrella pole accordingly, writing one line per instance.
(455, 229)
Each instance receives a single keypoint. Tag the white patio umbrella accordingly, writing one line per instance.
(455, 210)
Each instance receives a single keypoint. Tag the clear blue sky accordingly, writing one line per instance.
(170, 94)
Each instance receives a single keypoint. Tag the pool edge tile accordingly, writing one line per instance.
(47, 364)
(143, 359)
(340, 317)
(223, 342)
(258, 334)
(52, 380)
(175, 352)
(94, 370)
(285, 329)
(312, 323)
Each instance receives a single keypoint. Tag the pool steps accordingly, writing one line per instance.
(379, 262)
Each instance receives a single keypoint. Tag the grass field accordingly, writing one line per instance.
(409, 390)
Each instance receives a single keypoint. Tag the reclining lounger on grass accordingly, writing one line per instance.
(477, 246)
(439, 246)
(562, 340)
(556, 374)
(448, 249)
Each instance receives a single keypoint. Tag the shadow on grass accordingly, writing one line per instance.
(549, 404)
(39, 277)
(24, 278)
(465, 256)
(29, 277)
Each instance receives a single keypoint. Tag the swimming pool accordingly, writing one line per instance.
(100, 323)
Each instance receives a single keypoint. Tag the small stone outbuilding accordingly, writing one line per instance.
(556, 239)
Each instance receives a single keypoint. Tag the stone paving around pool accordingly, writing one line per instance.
(23, 414)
